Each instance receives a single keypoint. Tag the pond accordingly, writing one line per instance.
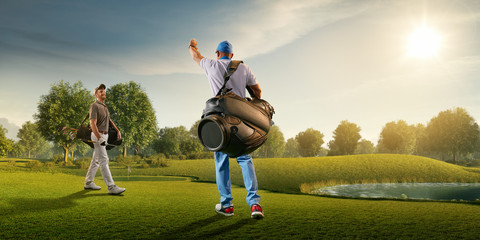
(429, 191)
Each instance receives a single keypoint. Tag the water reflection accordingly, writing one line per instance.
(433, 191)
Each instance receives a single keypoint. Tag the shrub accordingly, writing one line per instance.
(158, 160)
(127, 161)
(58, 158)
(12, 163)
(474, 163)
(144, 164)
(178, 157)
(82, 163)
(49, 164)
(201, 155)
(34, 164)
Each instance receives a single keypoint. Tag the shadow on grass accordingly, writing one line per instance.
(22, 205)
(195, 229)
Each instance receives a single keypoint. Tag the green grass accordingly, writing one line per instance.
(43, 205)
(295, 175)
(49, 204)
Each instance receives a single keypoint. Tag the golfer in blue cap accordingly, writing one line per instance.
(239, 80)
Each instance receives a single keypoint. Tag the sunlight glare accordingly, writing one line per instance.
(423, 43)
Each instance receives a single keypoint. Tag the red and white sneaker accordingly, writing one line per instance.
(257, 212)
(227, 211)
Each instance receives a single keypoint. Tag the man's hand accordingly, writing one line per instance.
(194, 51)
(102, 141)
(119, 135)
(193, 43)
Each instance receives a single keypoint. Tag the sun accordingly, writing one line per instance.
(423, 43)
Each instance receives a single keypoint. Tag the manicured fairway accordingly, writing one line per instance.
(35, 205)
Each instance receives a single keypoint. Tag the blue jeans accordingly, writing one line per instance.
(223, 178)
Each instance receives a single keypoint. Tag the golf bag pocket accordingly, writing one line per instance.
(84, 133)
(234, 125)
(230, 135)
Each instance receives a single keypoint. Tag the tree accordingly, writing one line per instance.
(132, 112)
(194, 129)
(5, 143)
(17, 149)
(66, 105)
(176, 141)
(420, 142)
(453, 132)
(365, 147)
(31, 138)
(291, 148)
(345, 139)
(274, 146)
(309, 142)
(397, 137)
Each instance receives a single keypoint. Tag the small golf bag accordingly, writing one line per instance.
(234, 125)
(84, 133)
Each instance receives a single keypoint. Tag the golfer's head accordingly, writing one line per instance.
(224, 49)
(100, 92)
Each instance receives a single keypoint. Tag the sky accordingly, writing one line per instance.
(317, 62)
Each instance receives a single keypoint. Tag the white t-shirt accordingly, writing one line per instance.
(216, 69)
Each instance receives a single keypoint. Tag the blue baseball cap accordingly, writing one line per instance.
(225, 47)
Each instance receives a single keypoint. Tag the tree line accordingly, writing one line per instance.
(451, 135)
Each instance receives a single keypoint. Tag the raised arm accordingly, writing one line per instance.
(194, 51)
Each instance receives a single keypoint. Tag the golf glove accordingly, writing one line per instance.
(102, 141)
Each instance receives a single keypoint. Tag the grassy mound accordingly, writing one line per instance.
(294, 175)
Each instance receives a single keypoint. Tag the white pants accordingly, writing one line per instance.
(99, 159)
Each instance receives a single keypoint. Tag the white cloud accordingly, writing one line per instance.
(12, 129)
(255, 28)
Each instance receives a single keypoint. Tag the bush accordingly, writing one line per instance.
(12, 163)
(58, 158)
(144, 164)
(158, 160)
(127, 161)
(49, 164)
(201, 155)
(474, 163)
(34, 164)
(178, 157)
(83, 163)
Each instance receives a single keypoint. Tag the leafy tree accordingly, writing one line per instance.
(345, 139)
(309, 142)
(82, 150)
(397, 137)
(132, 112)
(31, 138)
(365, 147)
(420, 143)
(274, 146)
(5, 143)
(194, 129)
(453, 132)
(176, 141)
(291, 148)
(190, 145)
(65, 105)
(17, 149)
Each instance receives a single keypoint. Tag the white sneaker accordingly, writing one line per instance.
(114, 190)
(92, 186)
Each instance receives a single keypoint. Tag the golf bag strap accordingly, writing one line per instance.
(85, 119)
(232, 67)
